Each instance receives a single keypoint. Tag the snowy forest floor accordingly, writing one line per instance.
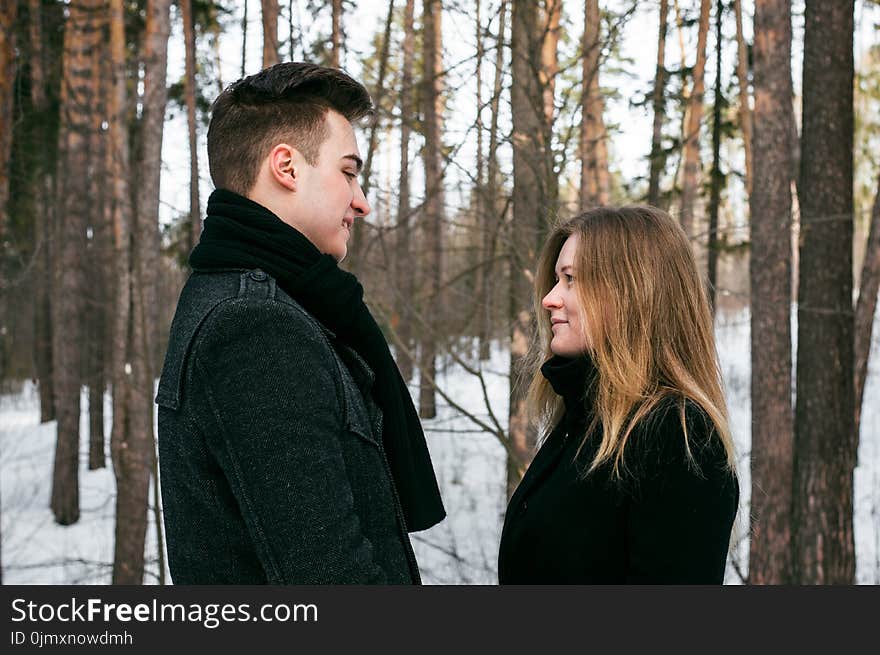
(470, 467)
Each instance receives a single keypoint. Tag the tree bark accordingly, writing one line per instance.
(745, 111)
(826, 444)
(133, 447)
(771, 293)
(8, 15)
(533, 205)
(691, 180)
(493, 220)
(42, 195)
(433, 208)
(716, 179)
(244, 35)
(189, 35)
(595, 180)
(98, 258)
(270, 32)
(658, 158)
(81, 38)
(336, 33)
(403, 271)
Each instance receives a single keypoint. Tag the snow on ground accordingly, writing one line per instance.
(470, 467)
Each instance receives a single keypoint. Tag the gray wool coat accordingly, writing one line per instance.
(271, 462)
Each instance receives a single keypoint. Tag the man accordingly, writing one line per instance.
(289, 448)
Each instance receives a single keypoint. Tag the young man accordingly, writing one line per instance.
(289, 448)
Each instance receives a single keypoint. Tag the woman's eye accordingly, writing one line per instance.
(569, 278)
(349, 174)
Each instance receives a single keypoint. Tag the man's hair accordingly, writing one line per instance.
(285, 102)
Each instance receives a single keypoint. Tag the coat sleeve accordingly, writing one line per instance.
(273, 396)
(680, 516)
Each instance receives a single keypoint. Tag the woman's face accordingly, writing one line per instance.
(570, 338)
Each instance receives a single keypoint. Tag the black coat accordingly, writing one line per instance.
(270, 450)
(662, 523)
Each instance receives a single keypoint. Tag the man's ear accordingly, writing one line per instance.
(282, 165)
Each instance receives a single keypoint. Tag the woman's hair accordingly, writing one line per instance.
(644, 304)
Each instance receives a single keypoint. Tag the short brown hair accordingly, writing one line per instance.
(285, 102)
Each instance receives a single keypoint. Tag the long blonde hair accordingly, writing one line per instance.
(650, 328)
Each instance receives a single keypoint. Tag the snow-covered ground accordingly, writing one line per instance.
(470, 466)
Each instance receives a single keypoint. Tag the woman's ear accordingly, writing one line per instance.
(282, 167)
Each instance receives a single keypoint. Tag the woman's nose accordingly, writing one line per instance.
(551, 300)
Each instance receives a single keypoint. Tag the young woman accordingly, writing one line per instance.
(635, 482)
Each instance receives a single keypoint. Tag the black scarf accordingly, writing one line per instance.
(575, 380)
(239, 233)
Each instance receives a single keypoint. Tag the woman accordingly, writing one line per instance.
(635, 482)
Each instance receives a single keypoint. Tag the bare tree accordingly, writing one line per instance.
(356, 248)
(403, 273)
(691, 155)
(745, 111)
(81, 38)
(658, 159)
(595, 179)
(42, 227)
(270, 32)
(826, 444)
(336, 33)
(534, 201)
(771, 293)
(189, 36)
(132, 445)
(244, 35)
(433, 208)
(8, 14)
(493, 218)
(716, 177)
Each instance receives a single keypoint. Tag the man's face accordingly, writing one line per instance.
(329, 195)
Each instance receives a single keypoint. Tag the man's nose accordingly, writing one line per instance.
(359, 202)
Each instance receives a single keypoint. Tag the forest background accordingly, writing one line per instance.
(756, 124)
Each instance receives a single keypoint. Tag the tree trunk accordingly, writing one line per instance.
(356, 248)
(8, 15)
(595, 180)
(270, 32)
(826, 444)
(433, 208)
(195, 212)
(132, 448)
(866, 307)
(658, 158)
(493, 220)
(691, 180)
(771, 293)
(81, 38)
(98, 257)
(42, 194)
(478, 206)
(533, 205)
(244, 34)
(402, 263)
(716, 179)
(336, 34)
(745, 111)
